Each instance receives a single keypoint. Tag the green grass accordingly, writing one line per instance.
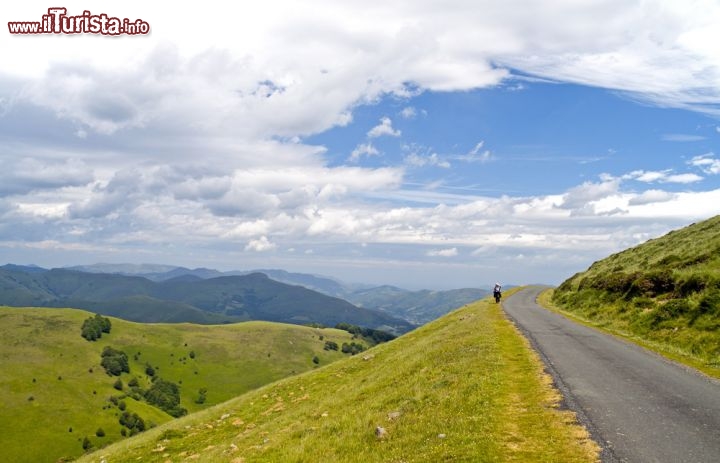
(52, 380)
(666, 349)
(465, 387)
(665, 293)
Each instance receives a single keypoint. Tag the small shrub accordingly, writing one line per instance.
(100, 432)
(316, 360)
(202, 396)
(330, 345)
(118, 385)
(352, 348)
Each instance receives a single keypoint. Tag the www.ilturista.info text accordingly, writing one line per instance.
(57, 21)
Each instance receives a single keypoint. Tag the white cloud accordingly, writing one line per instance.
(681, 137)
(683, 178)
(651, 196)
(261, 244)
(707, 163)
(420, 160)
(408, 112)
(664, 176)
(363, 149)
(384, 128)
(477, 154)
(450, 252)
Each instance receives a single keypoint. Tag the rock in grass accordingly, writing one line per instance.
(380, 432)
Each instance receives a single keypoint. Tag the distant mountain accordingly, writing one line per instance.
(158, 272)
(186, 299)
(123, 269)
(24, 268)
(417, 307)
(154, 272)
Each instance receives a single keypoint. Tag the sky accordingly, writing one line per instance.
(423, 144)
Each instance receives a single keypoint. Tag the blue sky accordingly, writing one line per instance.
(537, 137)
(422, 144)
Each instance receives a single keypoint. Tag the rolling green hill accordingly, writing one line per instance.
(466, 387)
(54, 393)
(209, 301)
(665, 291)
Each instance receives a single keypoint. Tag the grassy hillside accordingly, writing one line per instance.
(211, 301)
(665, 291)
(465, 387)
(53, 391)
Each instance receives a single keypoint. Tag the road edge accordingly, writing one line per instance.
(568, 401)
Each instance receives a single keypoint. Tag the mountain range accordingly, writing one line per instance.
(416, 307)
(185, 297)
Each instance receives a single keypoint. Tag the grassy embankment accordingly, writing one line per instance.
(54, 393)
(664, 294)
(465, 387)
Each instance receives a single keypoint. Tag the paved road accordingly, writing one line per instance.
(638, 406)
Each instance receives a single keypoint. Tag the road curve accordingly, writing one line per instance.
(637, 405)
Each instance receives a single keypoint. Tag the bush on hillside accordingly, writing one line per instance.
(166, 396)
(331, 345)
(149, 370)
(93, 327)
(86, 444)
(352, 348)
(114, 361)
(372, 335)
(202, 396)
(132, 422)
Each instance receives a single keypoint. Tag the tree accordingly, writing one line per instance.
(165, 395)
(133, 422)
(118, 385)
(330, 345)
(93, 327)
(114, 361)
(86, 444)
(352, 348)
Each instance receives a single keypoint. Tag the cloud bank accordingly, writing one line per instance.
(187, 145)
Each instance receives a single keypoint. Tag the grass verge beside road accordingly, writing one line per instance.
(667, 350)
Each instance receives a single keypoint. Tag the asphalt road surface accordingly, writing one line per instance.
(638, 406)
